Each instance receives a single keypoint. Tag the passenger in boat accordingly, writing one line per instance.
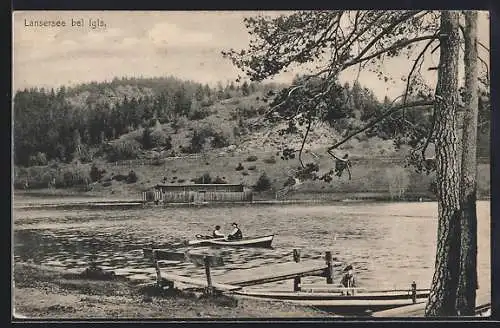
(216, 233)
(348, 280)
(236, 233)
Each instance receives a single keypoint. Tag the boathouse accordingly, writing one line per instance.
(197, 193)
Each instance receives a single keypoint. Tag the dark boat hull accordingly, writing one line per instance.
(358, 303)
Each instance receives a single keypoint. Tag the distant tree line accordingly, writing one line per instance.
(64, 124)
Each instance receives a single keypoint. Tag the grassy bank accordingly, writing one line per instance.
(384, 178)
(43, 292)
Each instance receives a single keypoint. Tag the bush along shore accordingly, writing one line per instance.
(50, 293)
(373, 179)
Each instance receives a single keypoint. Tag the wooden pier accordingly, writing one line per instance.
(274, 272)
(237, 279)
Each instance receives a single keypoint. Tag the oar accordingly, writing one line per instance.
(186, 242)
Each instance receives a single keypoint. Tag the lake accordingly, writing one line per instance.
(389, 244)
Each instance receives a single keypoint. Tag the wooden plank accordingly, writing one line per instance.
(199, 282)
(273, 272)
(334, 288)
(198, 259)
(139, 278)
(162, 254)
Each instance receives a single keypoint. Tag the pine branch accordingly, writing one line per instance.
(379, 119)
(395, 46)
(419, 57)
(384, 32)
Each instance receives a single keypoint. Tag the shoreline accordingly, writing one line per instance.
(41, 292)
(29, 200)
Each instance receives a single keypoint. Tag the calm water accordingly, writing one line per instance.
(390, 244)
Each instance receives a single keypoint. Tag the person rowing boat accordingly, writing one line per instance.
(216, 233)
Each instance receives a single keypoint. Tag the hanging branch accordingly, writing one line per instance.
(304, 142)
(419, 57)
(483, 46)
(378, 119)
(395, 46)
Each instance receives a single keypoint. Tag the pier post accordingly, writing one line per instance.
(329, 268)
(157, 268)
(296, 280)
(210, 288)
(414, 292)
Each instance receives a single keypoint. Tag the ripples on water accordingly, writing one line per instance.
(390, 244)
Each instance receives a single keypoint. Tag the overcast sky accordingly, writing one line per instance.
(183, 44)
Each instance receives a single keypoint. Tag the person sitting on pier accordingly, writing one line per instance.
(236, 233)
(348, 280)
(216, 233)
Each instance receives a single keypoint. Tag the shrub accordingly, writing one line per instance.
(181, 180)
(158, 161)
(239, 167)
(107, 184)
(146, 139)
(160, 138)
(263, 183)
(119, 177)
(124, 149)
(132, 177)
(219, 140)
(38, 159)
(197, 142)
(246, 112)
(244, 173)
(219, 180)
(236, 131)
(178, 123)
(199, 114)
(251, 168)
(252, 158)
(270, 160)
(96, 174)
(207, 102)
(86, 154)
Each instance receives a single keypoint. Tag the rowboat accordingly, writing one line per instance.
(338, 301)
(264, 242)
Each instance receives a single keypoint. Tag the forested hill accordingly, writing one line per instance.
(127, 117)
(58, 124)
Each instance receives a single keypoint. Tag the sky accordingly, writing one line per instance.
(187, 45)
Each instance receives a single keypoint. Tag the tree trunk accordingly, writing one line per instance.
(444, 283)
(467, 283)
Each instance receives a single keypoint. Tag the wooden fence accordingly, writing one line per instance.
(195, 197)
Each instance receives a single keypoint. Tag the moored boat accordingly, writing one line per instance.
(339, 301)
(263, 241)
